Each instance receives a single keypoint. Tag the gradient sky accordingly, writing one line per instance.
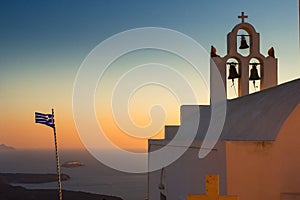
(43, 43)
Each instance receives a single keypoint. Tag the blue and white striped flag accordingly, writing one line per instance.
(47, 119)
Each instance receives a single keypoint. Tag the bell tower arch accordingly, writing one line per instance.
(247, 71)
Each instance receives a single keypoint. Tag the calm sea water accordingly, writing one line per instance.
(94, 177)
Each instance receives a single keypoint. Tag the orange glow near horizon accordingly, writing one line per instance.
(18, 128)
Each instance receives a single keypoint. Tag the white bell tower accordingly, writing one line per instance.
(267, 65)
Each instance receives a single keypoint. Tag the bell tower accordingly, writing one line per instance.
(262, 72)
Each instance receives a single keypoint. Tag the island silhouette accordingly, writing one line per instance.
(10, 192)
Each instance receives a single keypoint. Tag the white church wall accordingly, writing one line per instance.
(266, 170)
(187, 174)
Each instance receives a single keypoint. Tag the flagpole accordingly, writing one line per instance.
(57, 160)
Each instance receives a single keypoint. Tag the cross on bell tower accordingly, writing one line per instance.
(243, 17)
(267, 65)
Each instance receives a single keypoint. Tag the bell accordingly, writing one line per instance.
(254, 73)
(232, 72)
(244, 44)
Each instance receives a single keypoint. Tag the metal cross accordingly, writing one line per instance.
(243, 17)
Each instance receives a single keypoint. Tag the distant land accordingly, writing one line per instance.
(4, 147)
(30, 178)
(72, 164)
(9, 192)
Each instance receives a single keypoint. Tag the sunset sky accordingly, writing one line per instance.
(43, 43)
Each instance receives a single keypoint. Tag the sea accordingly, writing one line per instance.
(93, 177)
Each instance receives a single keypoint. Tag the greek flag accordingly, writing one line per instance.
(47, 119)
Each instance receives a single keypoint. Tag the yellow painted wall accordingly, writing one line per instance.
(263, 170)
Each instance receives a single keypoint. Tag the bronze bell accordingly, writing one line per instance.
(244, 44)
(232, 72)
(254, 73)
